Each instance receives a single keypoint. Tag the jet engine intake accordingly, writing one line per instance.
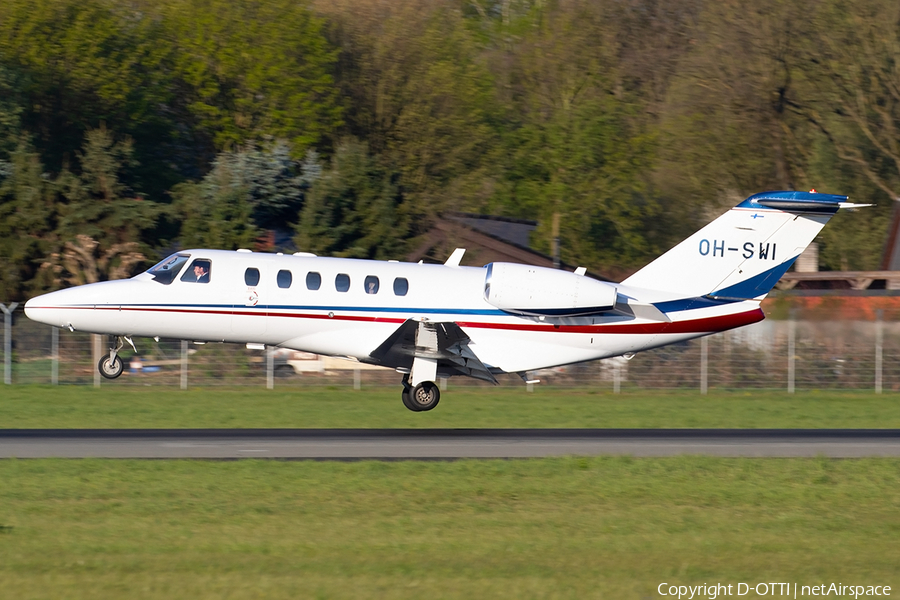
(539, 291)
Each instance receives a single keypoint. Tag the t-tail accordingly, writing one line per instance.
(742, 254)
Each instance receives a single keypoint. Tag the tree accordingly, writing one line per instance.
(355, 209)
(247, 191)
(418, 93)
(100, 221)
(755, 107)
(27, 220)
(87, 63)
(855, 70)
(10, 113)
(253, 70)
(573, 144)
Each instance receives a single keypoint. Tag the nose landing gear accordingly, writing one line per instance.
(420, 398)
(111, 365)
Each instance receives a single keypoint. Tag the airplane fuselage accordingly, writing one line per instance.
(355, 322)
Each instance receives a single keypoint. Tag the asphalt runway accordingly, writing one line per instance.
(442, 444)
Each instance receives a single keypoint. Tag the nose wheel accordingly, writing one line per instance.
(111, 365)
(420, 398)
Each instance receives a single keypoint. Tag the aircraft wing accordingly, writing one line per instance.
(445, 342)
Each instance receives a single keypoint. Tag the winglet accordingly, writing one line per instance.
(455, 258)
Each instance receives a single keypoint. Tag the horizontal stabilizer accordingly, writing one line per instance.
(801, 202)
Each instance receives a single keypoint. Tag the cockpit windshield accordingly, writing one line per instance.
(165, 271)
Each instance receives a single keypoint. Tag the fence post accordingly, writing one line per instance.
(270, 368)
(96, 349)
(726, 359)
(357, 382)
(617, 376)
(879, 349)
(792, 326)
(704, 364)
(7, 341)
(184, 364)
(54, 355)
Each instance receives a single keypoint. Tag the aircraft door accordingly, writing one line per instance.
(249, 314)
(201, 312)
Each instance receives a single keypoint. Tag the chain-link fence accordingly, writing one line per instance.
(773, 354)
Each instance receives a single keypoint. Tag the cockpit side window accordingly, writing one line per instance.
(199, 271)
(165, 271)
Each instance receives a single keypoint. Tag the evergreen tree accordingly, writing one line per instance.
(245, 193)
(27, 220)
(355, 209)
(100, 220)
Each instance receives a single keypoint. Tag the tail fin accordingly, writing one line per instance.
(743, 253)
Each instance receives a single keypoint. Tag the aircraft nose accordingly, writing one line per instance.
(44, 308)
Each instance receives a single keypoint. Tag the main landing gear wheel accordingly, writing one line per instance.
(407, 401)
(111, 367)
(424, 396)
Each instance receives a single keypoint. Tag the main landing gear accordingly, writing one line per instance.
(111, 365)
(420, 398)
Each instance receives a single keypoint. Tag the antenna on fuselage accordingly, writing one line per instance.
(455, 258)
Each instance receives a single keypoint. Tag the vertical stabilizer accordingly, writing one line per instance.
(743, 253)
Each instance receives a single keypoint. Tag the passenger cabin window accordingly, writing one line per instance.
(198, 272)
(251, 276)
(284, 279)
(313, 280)
(165, 271)
(401, 286)
(371, 284)
(342, 282)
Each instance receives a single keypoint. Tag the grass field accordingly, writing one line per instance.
(546, 528)
(162, 407)
(549, 528)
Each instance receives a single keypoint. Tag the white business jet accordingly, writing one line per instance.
(430, 321)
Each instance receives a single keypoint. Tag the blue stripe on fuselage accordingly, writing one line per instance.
(379, 309)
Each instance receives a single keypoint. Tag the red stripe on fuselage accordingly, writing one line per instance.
(705, 325)
(709, 324)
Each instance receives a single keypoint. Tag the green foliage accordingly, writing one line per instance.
(575, 146)
(97, 202)
(246, 192)
(216, 212)
(87, 63)
(100, 221)
(252, 69)
(27, 219)
(10, 114)
(635, 121)
(355, 209)
(419, 93)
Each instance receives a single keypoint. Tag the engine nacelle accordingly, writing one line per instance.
(539, 291)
